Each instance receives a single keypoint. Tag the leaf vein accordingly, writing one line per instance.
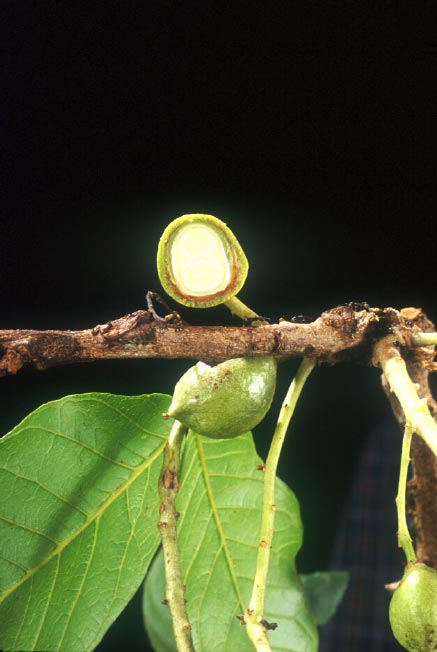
(14, 563)
(205, 589)
(27, 528)
(126, 416)
(24, 615)
(82, 444)
(91, 517)
(82, 583)
(198, 549)
(46, 608)
(45, 488)
(218, 522)
(235, 476)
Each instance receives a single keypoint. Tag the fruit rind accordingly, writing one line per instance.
(413, 609)
(226, 400)
(230, 260)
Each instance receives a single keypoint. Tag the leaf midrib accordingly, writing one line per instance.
(91, 518)
(217, 520)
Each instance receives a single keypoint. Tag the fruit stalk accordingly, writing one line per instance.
(404, 538)
(168, 489)
(254, 617)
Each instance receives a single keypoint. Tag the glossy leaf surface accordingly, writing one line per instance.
(78, 515)
(220, 504)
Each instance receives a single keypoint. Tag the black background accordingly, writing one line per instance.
(308, 127)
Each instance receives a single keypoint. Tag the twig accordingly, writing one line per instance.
(254, 617)
(424, 339)
(168, 488)
(343, 333)
(422, 486)
(416, 411)
(239, 309)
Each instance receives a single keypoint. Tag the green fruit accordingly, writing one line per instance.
(226, 400)
(413, 609)
(200, 261)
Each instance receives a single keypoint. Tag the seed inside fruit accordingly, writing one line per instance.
(200, 261)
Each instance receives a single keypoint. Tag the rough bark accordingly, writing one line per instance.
(422, 487)
(343, 333)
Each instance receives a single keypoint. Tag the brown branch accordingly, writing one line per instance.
(422, 488)
(343, 333)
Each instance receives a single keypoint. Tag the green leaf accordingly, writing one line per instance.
(78, 517)
(156, 612)
(325, 592)
(220, 503)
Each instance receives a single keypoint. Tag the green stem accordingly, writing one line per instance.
(404, 539)
(416, 410)
(254, 616)
(240, 309)
(424, 339)
(168, 488)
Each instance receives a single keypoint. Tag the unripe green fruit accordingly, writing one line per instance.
(226, 400)
(200, 261)
(413, 609)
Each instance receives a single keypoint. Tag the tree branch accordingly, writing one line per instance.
(342, 333)
(422, 488)
(422, 501)
(168, 488)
